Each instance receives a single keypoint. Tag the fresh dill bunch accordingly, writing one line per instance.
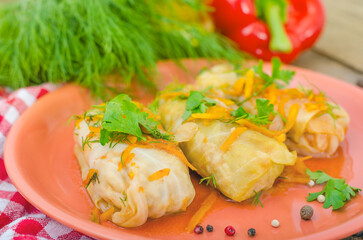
(83, 41)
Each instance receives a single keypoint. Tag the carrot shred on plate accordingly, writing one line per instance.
(202, 211)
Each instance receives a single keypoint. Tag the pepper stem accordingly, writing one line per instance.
(279, 40)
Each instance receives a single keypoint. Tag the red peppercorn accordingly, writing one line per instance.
(229, 230)
(198, 229)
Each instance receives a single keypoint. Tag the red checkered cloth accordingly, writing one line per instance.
(18, 218)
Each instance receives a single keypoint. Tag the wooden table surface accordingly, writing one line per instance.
(339, 50)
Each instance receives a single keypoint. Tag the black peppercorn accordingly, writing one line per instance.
(306, 212)
(209, 228)
(251, 232)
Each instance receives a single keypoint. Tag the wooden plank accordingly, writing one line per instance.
(342, 38)
(317, 62)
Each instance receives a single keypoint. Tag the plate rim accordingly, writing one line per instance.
(345, 229)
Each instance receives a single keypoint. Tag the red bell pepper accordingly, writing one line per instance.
(267, 28)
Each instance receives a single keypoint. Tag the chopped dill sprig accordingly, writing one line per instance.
(124, 199)
(83, 41)
(256, 199)
(87, 141)
(208, 179)
(93, 179)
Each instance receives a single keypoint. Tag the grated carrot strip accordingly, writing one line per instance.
(127, 156)
(211, 116)
(199, 215)
(249, 83)
(231, 138)
(281, 137)
(79, 119)
(259, 129)
(172, 149)
(304, 158)
(238, 86)
(90, 174)
(131, 175)
(94, 129)
(159, 174)
(226, 101)
(106, 215)
(291, 119)
(166, 146)
(132, 139)
(95, 215)
(281, 107)
(185, 204)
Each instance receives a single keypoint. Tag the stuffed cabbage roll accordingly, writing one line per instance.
(237, 156)
(131, 168)
(320, 125)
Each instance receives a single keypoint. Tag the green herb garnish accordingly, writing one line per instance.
(93, 179)
(122, 118)
(279, 77)
(256, 199)
(264, 110)
(336, 191)
(197, 103)
(154, 106)
(208, 179)
(83, 41)
(124, 199)
(87, 141)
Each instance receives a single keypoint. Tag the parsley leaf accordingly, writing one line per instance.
(240, 113)
(122, 115)
(279, 77)
(197, 103)
(264, 110)
(124, 118)
(336, 191)
(264, 107)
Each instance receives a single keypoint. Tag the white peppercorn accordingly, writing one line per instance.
(275, 223)
(321, 198)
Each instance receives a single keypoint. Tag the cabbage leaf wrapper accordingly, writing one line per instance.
(250, 164)
(135, 180)
(320, 126)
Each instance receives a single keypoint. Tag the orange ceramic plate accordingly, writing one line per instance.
(39, 160)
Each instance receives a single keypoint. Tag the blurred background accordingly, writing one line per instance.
(339, 50)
